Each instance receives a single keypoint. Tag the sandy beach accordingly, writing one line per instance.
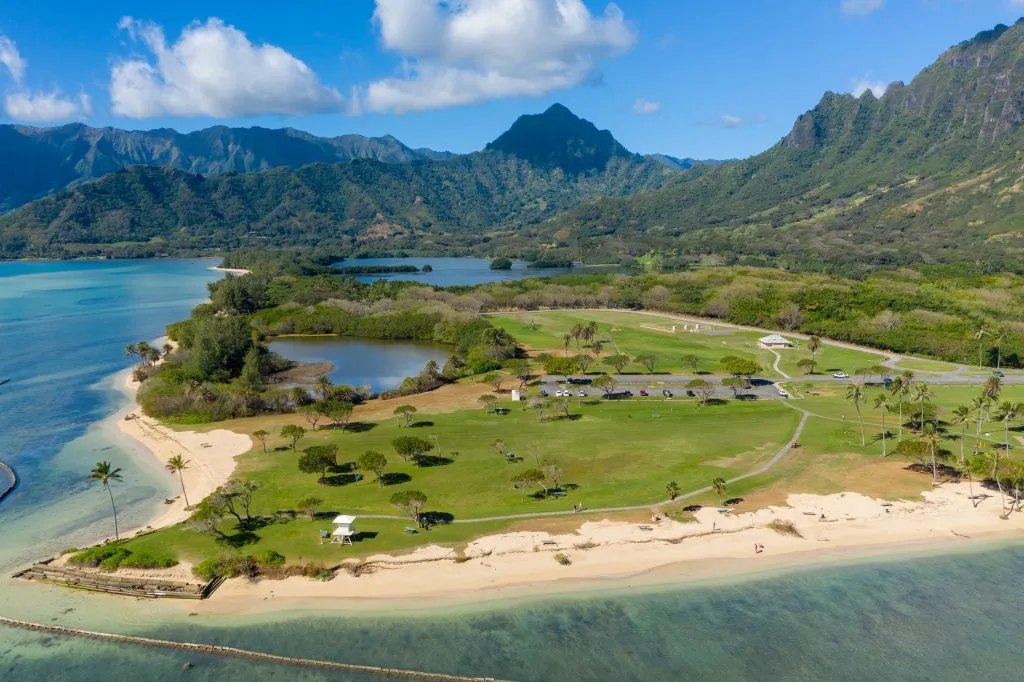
(211, 455)
(233, 271)
(833, 528)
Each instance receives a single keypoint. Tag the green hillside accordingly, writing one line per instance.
(930, 171)
(445, 205)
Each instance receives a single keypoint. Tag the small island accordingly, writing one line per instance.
(501, 263)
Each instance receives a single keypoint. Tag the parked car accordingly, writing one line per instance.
(840, 375)
(783, 393)
(690, 394)
(643, 393)
(667, 393)
(543, 393)
(582, 394)
(998, 374)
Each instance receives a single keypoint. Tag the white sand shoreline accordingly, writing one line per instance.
(625, 557)
(211, 455)
(233, 271)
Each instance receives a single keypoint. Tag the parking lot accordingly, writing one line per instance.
(657, 387)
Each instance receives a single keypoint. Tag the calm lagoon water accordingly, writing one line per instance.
(378, 363)
(62, 328)
(449, 272)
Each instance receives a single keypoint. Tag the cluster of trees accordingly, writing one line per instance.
(993, 461)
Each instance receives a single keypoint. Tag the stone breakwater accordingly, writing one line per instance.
(10, 484)
(238, 653)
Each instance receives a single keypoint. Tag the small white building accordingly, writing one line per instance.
(515, 395)
(344, 529)
(774, 341)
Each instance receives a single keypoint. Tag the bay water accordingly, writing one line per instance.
(62, 330)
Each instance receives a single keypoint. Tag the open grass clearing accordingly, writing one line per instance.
(611, 455)
(643, 334)
(921, 365)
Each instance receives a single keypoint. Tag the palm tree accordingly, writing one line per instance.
(176, 465)
(323, 385)
(991, 389)
(1008, 411)
(813, 344)
(922, 394)
(932, 436)
(883, 404)
(719, 485)
(901, 388)
(105, 474)
(855, 394)
(979, 335)
(962, 416)
(131, 350)
(998, 336)
(566, 338)
(144, 349)
(978, 405)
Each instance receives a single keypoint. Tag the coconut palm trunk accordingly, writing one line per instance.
(117, 535)
(181, 480)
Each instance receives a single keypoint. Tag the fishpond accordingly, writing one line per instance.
(380, 364)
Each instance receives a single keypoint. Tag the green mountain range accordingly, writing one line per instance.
(929, 172)
(932, 171)
(38, 161)
(543, 165)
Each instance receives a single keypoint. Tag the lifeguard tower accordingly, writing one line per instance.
(344, 529)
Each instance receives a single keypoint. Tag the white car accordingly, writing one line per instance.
(582, 394)
(558, 393)
(840, 375)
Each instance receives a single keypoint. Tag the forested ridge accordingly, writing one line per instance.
(931, 172)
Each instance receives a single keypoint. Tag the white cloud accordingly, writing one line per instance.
(861, 86)
(45, 107)
(643, 106)
(11, 58)
(859, 8)
(473, 50)
(213, 70)
(734, 121)
(35, 107)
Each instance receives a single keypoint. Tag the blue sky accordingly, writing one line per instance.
(714, 79)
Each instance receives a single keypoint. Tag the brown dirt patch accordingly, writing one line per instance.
(835, 473)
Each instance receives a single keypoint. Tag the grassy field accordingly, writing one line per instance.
(920, 365)
(638, 334)
(612, 454)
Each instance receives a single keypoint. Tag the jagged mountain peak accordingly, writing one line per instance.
(558, 138)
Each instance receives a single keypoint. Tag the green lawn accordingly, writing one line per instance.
(613, 454)
(544, 330)
(829, 359)
(920, 365)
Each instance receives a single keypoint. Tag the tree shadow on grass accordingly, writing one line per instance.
(239, 539)
(395, 478)
(421, 425)
(716, 401)
(747, 397)
(435, 518)
(692, 508)
(361, 427)
(570, 486)
(342, 479)
(733, 501)
(424, 461)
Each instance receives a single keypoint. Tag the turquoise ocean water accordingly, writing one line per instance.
(62, 328)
